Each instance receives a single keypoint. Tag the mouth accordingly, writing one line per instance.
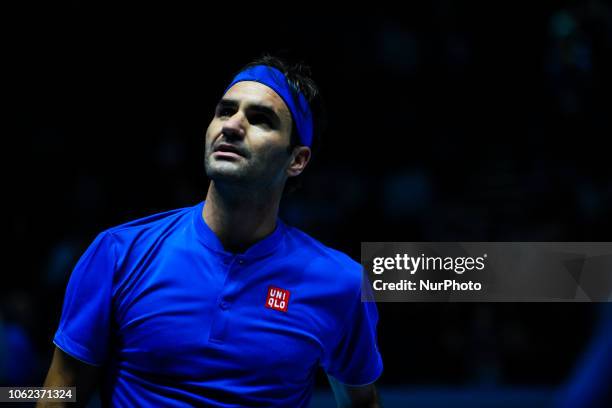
(225, 150)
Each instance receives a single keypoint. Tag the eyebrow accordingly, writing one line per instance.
(263, 109)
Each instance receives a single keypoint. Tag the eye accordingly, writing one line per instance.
(260, 119)
(224, 111)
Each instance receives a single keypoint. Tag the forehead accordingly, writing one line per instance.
(255, 93)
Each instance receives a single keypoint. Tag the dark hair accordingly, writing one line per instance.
(299, 76)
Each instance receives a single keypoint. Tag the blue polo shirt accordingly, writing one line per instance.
(176, 320)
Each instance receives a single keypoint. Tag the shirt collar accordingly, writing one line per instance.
(259, 249)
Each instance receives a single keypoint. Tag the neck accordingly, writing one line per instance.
(240, 217)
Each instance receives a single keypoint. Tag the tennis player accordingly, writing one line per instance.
(222, 304)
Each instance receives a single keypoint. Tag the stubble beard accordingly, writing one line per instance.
(226, 171)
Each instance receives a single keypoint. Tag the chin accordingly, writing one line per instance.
(226, 174)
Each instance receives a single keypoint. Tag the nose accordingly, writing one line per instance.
(234, 127)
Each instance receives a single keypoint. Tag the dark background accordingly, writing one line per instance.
(449, 121)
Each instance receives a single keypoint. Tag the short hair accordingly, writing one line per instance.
(299, 77)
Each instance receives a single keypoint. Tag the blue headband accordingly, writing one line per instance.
(273, 78)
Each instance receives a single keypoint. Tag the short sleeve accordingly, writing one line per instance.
(355, 359)
(83, 330)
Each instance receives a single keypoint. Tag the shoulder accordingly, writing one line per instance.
(137, 236)
(149, 225)
(323, 262)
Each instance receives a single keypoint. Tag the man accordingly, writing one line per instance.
(223, 304)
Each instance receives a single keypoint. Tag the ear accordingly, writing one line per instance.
(299, 159)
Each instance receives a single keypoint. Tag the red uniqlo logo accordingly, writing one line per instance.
(278, 299)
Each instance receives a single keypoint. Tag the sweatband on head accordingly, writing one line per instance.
(299, 108)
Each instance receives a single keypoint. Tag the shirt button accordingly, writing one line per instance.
(241, 261)
(223, 305)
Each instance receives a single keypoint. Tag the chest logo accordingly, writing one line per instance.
(278, 299)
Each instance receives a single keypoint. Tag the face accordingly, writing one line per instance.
(248, 138)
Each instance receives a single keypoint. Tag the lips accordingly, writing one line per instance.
(227, 149)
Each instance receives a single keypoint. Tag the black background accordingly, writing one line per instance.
(449, 121)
